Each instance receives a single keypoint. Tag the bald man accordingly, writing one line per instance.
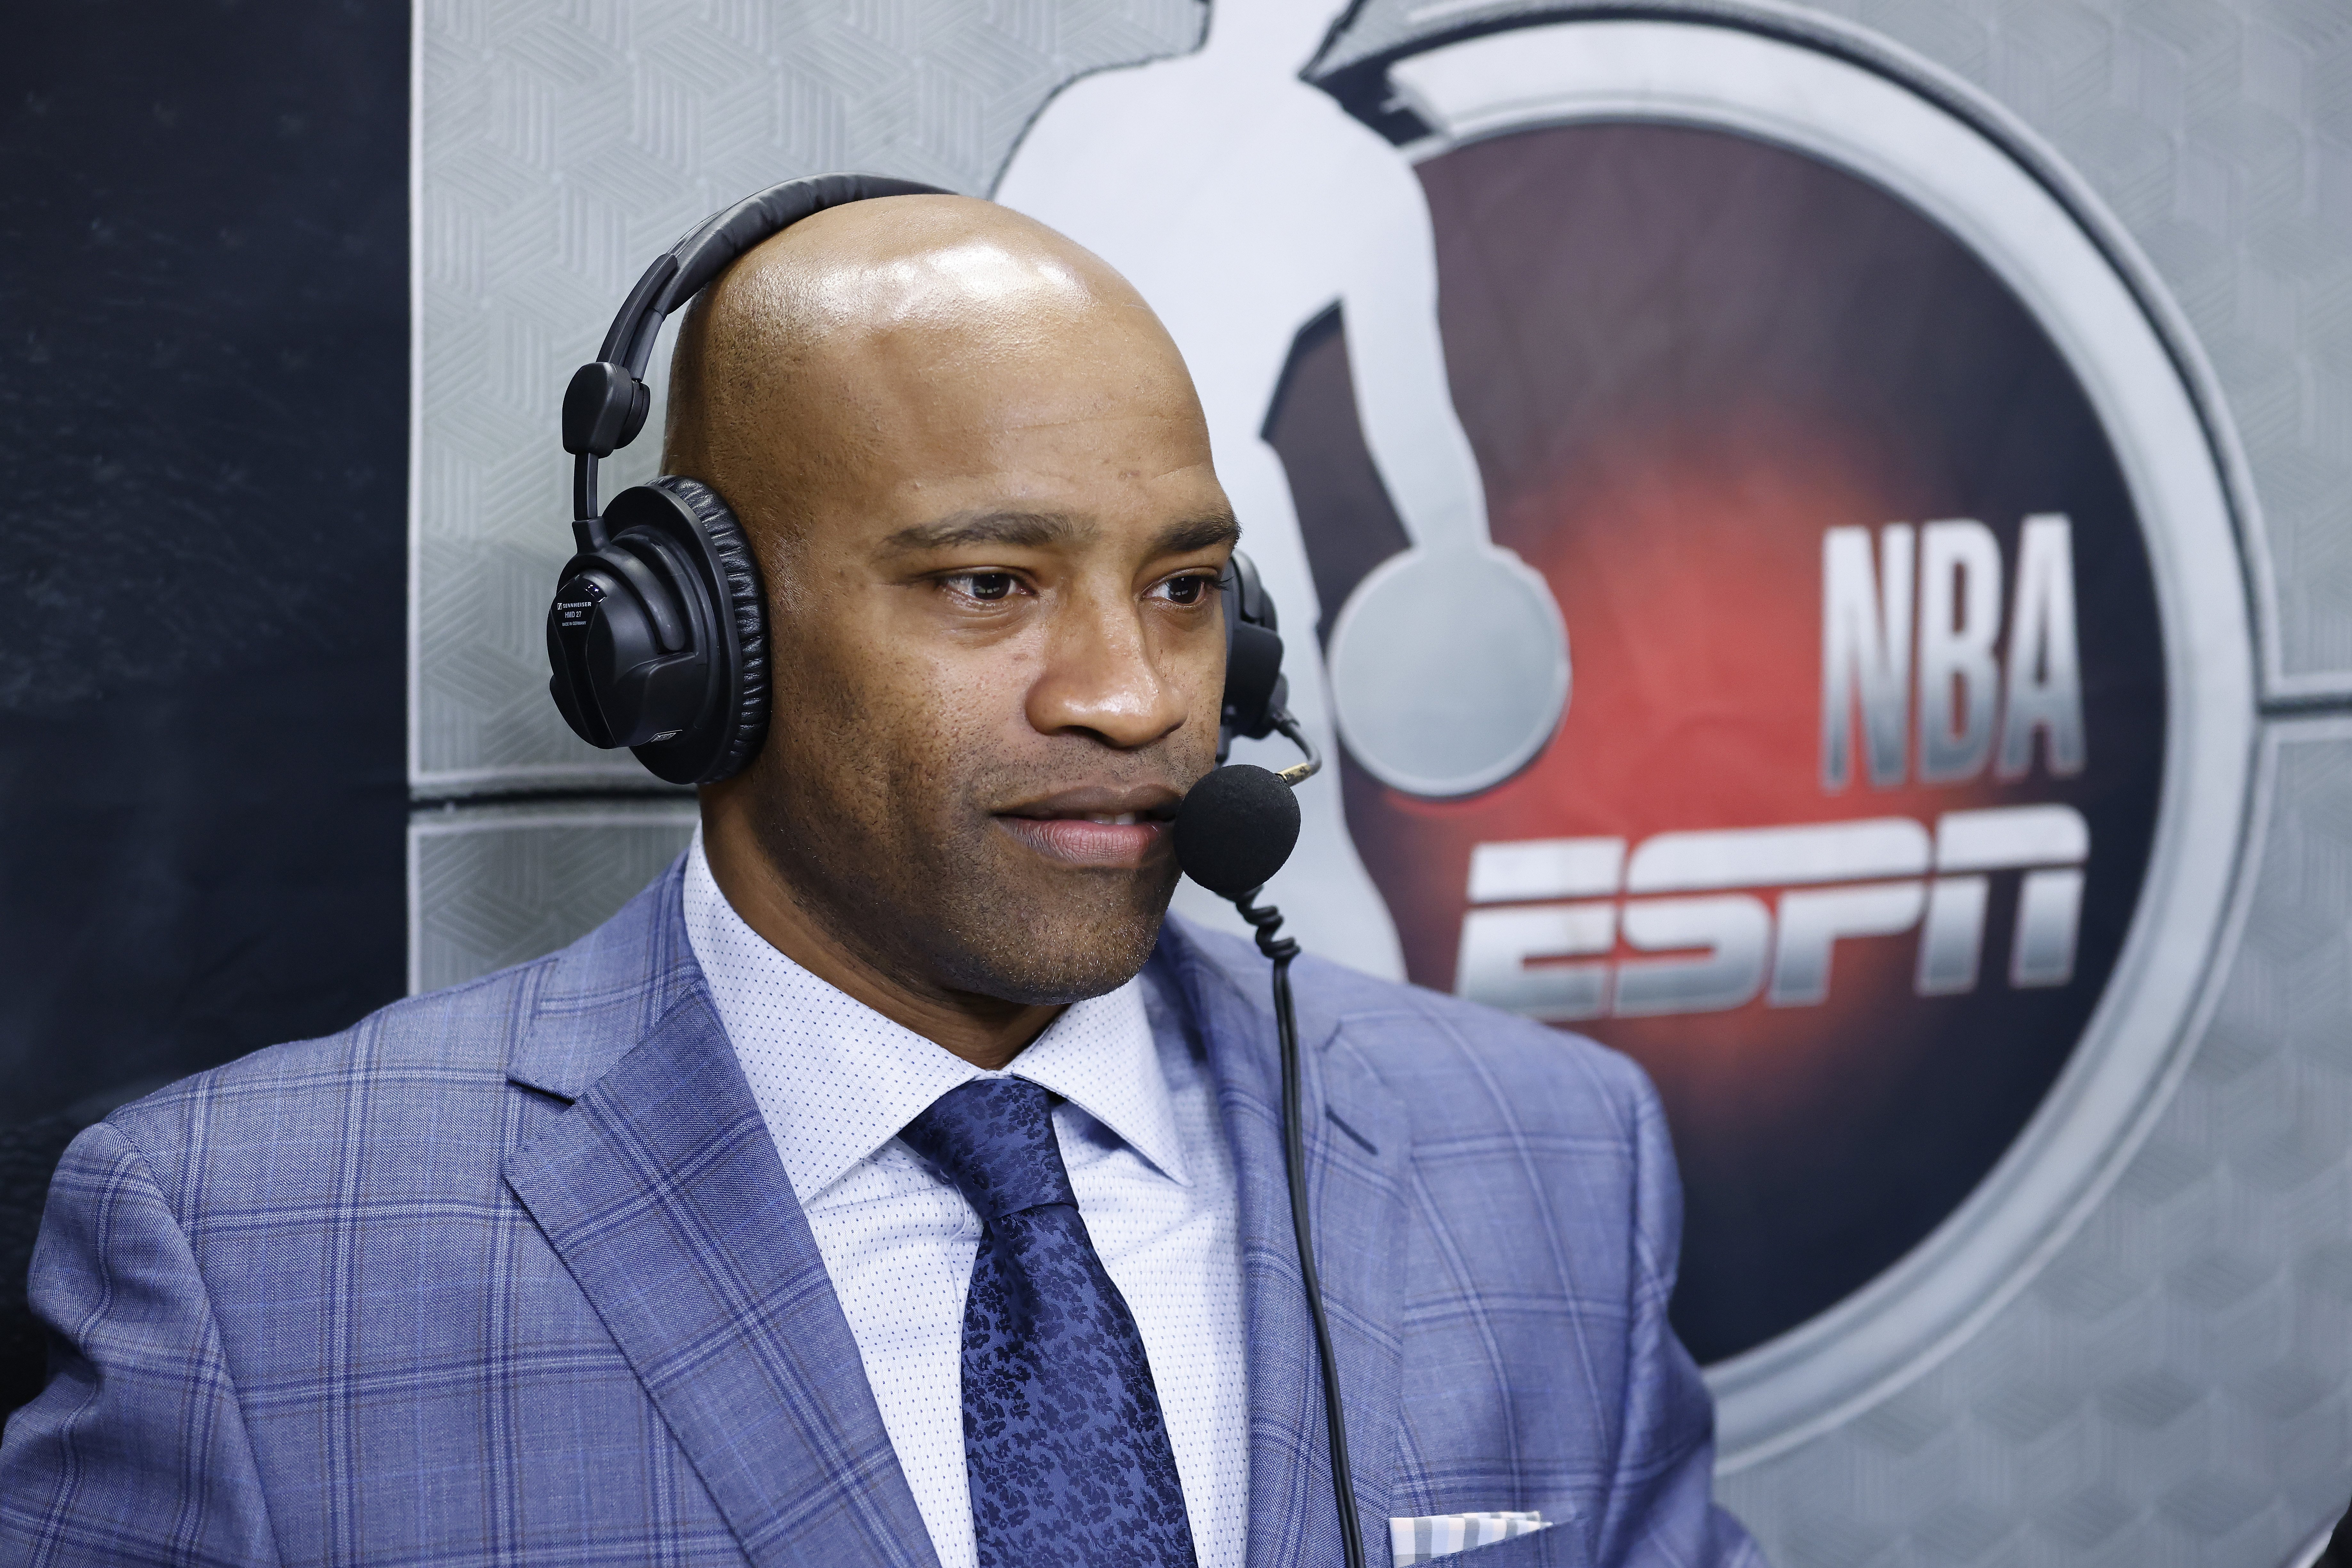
(891, 1182)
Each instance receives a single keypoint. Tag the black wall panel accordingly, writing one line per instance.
(203, 433)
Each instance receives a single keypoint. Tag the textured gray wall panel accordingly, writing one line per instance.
(559, 149)
(2175, 1386)
(2219, 134)
(491, 886)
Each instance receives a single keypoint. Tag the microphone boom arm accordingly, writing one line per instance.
(1297, 773)
(1266, 920)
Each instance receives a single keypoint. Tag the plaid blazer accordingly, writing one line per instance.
(511, 1274)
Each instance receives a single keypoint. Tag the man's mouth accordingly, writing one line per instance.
(1119, 833)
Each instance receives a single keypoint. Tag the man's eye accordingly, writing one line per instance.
(1187, 590)
(987, 585)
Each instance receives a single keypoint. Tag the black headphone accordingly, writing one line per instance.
(657, 635)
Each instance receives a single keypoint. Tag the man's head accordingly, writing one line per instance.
(978, 479)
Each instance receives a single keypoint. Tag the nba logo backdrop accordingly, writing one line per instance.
(1786, 588)
(1808, 655)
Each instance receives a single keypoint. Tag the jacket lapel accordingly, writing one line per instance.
(661, 1191)
(1356, 1191)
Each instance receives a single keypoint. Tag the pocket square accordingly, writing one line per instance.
(1436, 1534)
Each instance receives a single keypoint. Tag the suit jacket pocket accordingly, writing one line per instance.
(1554, 1546)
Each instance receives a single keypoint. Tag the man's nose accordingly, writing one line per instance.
(1103, 676)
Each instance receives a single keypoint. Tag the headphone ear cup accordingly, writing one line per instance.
(1253, 684)
(742, 616)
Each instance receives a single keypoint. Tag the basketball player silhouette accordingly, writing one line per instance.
(1242, 202)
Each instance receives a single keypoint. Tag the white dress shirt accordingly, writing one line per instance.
(1138, 1126)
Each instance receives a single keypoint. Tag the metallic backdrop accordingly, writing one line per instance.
(2170, 1380)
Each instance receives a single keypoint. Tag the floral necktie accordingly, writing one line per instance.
(1063, 1439)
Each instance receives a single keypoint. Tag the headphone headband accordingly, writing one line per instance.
(604, 407)
(657, 639)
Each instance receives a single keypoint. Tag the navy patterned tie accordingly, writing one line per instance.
(1062, 1441)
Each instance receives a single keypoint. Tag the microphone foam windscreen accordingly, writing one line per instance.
(1235, 829)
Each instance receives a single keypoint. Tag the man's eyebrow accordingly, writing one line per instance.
(1036, 531)
(1199, 534)
(1026, 530)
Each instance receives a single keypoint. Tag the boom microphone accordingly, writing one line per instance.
(1238, 824)
(1233, 831)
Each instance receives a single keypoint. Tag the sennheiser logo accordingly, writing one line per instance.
(575, 605)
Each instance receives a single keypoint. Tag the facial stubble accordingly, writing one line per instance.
(895, 850)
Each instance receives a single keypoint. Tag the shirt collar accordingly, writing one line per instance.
(1100, 1056)
(800, 1039)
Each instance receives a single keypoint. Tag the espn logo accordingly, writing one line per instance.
(1711, 918)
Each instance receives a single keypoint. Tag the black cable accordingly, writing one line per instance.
(1265, 921)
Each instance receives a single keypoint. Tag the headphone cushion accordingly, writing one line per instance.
(742, 616)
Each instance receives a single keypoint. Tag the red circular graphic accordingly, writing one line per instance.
(1716, 387)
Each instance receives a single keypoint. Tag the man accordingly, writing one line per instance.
(887, 1183)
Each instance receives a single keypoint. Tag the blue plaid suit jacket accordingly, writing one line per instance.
(511, 1274)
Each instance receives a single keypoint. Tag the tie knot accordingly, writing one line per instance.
(993, 1137)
